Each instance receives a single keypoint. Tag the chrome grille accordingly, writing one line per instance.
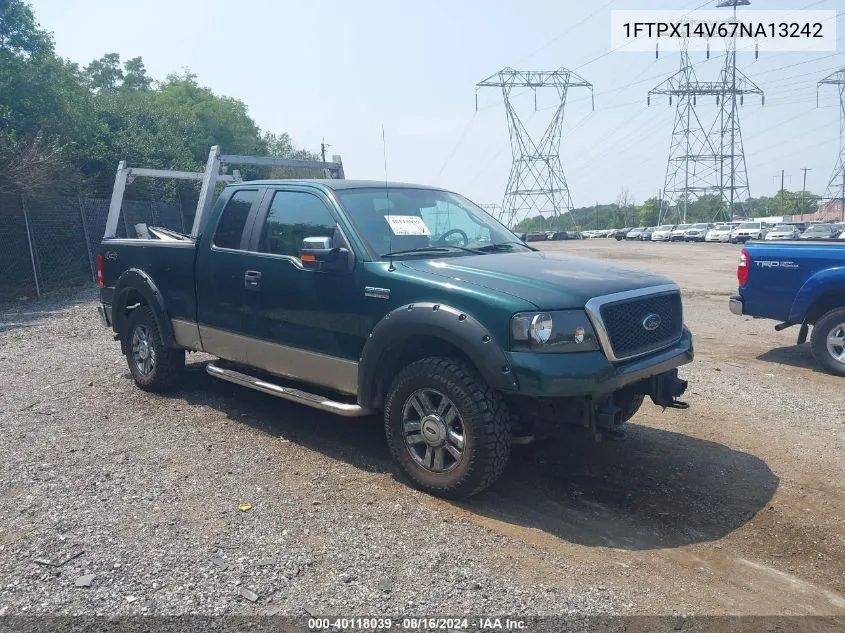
(622, 321)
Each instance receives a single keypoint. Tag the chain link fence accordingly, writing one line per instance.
(51, 243)
(47, 244)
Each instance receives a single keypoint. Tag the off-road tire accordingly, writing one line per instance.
(818, 341)
(485, 420)
(169, 362)
(629, 402)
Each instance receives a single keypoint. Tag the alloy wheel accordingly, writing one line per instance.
(433, 430)
(836, 342)
(143, 350)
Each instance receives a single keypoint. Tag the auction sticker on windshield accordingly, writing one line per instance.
(407, 225)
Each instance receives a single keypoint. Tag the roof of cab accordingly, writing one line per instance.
(336, 185)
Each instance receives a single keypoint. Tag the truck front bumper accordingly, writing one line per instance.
(590, 373)
(735, 304)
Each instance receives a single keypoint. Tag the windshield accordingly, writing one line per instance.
(819, 229)
(699, 226)
(749, 225)
(682, 226)
(398, 219)
(783, 227)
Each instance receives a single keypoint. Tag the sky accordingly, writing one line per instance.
(339, 71)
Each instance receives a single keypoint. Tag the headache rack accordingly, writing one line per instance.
(214, 173)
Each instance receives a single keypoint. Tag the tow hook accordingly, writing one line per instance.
(665, 390)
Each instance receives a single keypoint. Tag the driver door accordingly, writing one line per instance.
(306, 322)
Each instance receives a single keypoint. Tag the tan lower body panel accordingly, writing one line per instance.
(289, 362)
(187, 334)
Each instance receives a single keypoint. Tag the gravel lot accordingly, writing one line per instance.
(736, 506)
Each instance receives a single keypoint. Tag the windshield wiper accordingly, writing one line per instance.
(503, 246)
(432, 249)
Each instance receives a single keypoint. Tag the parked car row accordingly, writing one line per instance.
(543, 236)
(732, 232)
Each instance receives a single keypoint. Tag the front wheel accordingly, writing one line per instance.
(446, 428)
(629, 402)
(828, 341)
(153, 366)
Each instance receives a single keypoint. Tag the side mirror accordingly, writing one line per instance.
(317, 253)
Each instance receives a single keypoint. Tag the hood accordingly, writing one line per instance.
(550, 281)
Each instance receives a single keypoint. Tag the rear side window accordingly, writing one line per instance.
(293, 216)
(230, 228)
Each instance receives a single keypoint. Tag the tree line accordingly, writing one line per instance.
(64, 127)
(626, 212)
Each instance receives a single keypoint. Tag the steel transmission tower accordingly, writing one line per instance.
(733, 185)
(692, 166)
(536, 184)
(706, 161)
(836, 185)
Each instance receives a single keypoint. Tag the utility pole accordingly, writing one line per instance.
(782, 189)
(323, 147)
(659, 205)
(597, 214)
(804, 189)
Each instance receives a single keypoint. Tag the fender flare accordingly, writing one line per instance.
(139, 281)
(825, 281)
(438, 321)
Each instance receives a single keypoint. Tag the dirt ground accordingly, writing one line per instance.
(735, 506)
(738, 504)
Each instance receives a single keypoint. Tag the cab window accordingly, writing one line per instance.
(293, 216)
(232, 221)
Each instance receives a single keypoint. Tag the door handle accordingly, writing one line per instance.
(252, 280)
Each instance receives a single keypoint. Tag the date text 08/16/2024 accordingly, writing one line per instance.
(416, 624)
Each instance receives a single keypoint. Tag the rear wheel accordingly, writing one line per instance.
(446, 428)
(828, 341)
(153, 366)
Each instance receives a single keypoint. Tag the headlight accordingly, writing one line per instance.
(553, 332)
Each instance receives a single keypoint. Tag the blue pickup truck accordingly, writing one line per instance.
(797, 283)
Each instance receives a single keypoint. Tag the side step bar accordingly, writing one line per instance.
(288, 393)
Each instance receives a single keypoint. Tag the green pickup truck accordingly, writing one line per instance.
(359, 297)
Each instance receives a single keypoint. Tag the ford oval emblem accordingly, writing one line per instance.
(651, 322)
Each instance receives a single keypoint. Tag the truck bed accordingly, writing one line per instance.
(169, 263)
(780, 273)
